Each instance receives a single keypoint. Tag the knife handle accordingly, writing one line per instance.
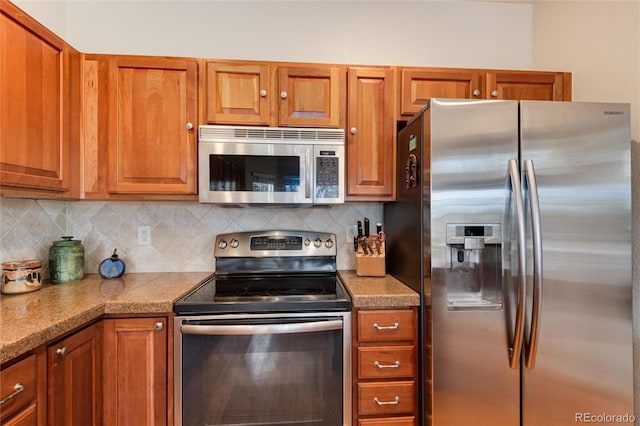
(366, 227)
(378, 228)
(359, 229)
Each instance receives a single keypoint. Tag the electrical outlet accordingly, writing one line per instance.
(144, 235)
(352, 232)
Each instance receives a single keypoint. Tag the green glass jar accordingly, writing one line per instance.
(66, 260)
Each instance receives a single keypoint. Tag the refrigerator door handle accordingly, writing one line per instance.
(515, 349)
(531, 350)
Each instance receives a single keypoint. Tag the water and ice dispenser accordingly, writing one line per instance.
(474, 276)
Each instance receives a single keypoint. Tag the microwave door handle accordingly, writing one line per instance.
(236, 330)
(307, 164)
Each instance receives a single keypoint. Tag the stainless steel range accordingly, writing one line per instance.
(267, 339)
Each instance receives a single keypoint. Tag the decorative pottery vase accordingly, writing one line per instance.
(112, 267)
(66, 260)
(21, 276)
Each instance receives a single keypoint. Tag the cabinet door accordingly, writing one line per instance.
(523, 85)
(153, 147)
(74, 379)
(238, 93)
(135, 371)
(311, 96)
(371, 136)
(34, 67)
(417, 85)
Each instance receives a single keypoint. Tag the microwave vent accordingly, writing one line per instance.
(270, 134)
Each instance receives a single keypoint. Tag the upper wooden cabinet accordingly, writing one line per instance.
(528, 85)
(37, 141)
(238, 93)
(419, 84)
(371, 134)
(275, 94)
(139, 127)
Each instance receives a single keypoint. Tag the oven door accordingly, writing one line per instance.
(255, 173)
(270, 369)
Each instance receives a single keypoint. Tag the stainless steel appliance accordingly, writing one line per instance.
(513, 220)
(268, 165)
(267, 339)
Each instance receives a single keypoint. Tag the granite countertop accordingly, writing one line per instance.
(29, 320)
(378, 292)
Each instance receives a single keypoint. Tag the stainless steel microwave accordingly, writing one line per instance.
(270, 165)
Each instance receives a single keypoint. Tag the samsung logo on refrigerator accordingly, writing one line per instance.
(613, 112)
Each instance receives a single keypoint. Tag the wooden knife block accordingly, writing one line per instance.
(370, 265)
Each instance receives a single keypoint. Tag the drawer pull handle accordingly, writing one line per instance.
(394, 365)
(17, 390)
(396, 401)
(386, 327)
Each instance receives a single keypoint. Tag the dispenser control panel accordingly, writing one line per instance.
(488, 233)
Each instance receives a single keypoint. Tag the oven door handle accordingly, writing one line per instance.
(235, 330)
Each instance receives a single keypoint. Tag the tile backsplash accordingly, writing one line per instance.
(182, 233)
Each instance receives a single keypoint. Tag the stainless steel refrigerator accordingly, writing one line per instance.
(513, 220)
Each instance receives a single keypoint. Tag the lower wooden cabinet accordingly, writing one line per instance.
(385, 367)
(74, 391)
(19, 393)
(135, 371)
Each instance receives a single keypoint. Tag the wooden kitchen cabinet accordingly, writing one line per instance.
(136, 372)
(238, 93)
(140, 127)
(417, 85)
(74, 379)
(371, 134)
(528, 85)
(39, 141)
(275, 94)
(385, 360)
(23, 392)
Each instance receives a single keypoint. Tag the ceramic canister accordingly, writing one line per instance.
(66, 260)
(21, 276)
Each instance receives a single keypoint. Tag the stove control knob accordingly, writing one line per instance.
(328, 243)
(307, 242)
(222, 244)
(234, 243)
(317, 242)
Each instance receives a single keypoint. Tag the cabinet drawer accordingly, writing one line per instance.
(389, 421)
(17, 386)
(386, 362)
(386, 398)
(385, 325)
(27, 417)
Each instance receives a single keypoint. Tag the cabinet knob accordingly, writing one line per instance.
(189, 126)
(494, 94)
(263, 93)
(283, 94)
(159, 325)
(61, 351)
(354, 130)
(476, 92)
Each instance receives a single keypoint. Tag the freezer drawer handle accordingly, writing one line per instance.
(530, 174)
(516, 347)
(394, 365)
(386, 327)
(396, 401)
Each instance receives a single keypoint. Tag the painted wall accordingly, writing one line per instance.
(428, 33)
